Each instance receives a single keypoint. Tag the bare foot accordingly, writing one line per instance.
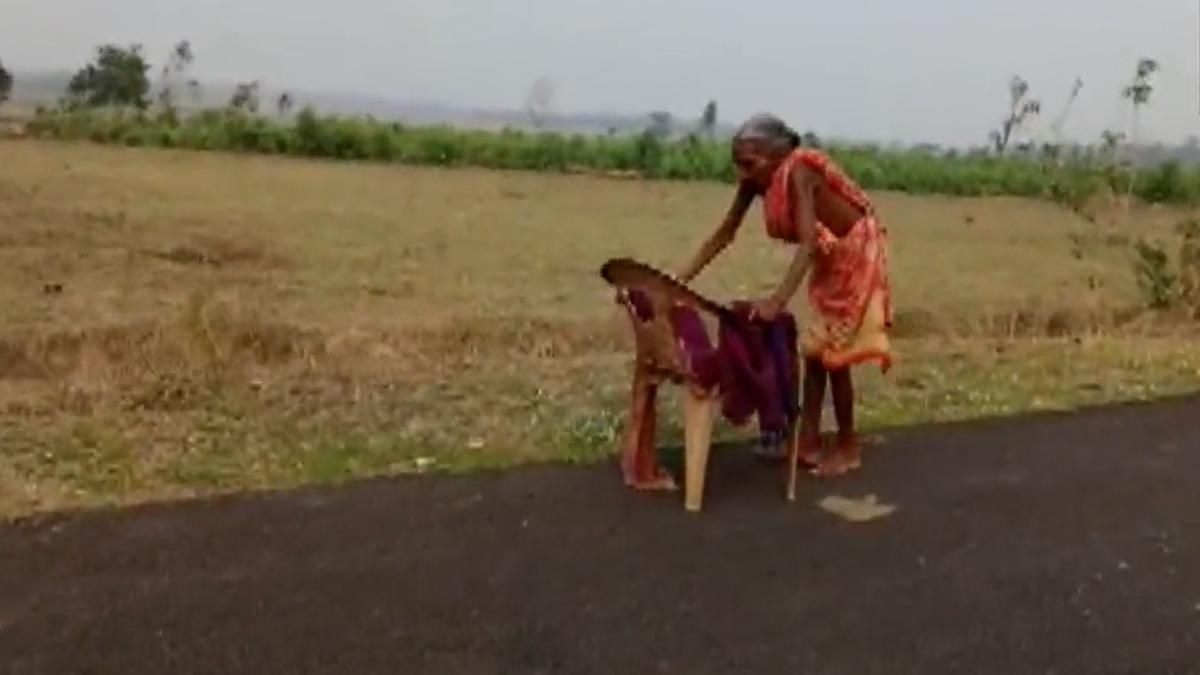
(662, 482)
(810, 452)
(843, 460)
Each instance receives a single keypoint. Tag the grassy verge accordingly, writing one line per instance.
(182, 324)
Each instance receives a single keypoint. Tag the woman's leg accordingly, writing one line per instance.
(815, 376)
(639, 460)
(843, 403)
(847, 457)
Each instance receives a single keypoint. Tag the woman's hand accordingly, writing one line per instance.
(721, 237)
(767, 309)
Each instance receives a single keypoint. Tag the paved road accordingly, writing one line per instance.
(1060, 544)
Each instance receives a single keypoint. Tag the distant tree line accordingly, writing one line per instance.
(118, 78)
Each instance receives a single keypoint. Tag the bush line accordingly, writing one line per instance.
(309, 134)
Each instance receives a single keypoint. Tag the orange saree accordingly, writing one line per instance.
(848, 284)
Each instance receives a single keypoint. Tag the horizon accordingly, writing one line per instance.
(870, 82)
(344, 102)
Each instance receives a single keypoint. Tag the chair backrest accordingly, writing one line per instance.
(671, 338)
(668, 321)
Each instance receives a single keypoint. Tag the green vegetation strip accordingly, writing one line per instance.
(1072, 181)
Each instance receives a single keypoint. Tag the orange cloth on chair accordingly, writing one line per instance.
(848, 285)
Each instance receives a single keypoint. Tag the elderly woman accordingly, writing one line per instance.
(841, 246)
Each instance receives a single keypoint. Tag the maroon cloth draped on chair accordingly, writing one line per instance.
(753, 365)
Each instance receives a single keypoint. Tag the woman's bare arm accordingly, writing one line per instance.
(724, 235)
(804, 183)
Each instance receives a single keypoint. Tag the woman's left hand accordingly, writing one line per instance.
(767, 309)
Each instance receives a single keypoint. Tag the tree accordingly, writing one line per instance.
(284, 104)
(1052, 151)
(708, 120)
(660, 125)
(1021, 108)
(1110, 140)
(1056, 126)
(1140, 87)
(6, 83)
(116, 77)
(539, 102)
(245, 97)
(181, 57)
(178, 62)
(1138, 93)
(194, 89)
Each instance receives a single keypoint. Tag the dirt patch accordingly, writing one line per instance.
(186, 255)
(220, 252)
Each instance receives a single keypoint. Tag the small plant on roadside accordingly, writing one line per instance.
(1189, 263)
(1152, 265)
(592, 436)
(1166, 283)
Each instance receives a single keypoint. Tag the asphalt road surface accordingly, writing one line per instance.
(1057, 544)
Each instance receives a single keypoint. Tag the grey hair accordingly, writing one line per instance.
(768, 130)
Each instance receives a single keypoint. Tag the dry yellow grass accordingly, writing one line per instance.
(179, 323)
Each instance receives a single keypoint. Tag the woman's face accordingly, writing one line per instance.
(755, 165)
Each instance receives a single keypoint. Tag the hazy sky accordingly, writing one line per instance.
(879, 69)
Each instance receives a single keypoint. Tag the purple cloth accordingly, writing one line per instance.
(759, 361)
(782, 336)
(704, 361)
(754, 363)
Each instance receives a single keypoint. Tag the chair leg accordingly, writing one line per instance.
(698, 415)
(793, 459)
(639, 461)
(794, 435)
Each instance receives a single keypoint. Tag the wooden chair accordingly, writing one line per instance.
(672, 345)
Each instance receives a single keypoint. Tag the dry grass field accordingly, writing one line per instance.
(178, 324)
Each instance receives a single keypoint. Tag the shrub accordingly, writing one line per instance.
(1152, 265)
(1189, 263)
(1071, 180)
